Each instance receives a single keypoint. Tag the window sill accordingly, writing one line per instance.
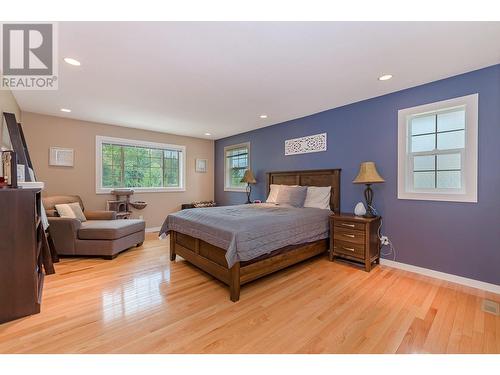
(236, 190)
(443, 197)
(142, 190)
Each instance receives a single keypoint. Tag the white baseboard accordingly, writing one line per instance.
(443, 276)
(153, 229)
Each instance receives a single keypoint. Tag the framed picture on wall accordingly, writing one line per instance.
(61, 157)
(201, 165)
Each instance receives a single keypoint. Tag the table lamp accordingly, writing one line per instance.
(368, 175)
(249, 179)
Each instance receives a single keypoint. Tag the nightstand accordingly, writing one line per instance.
(355, 238)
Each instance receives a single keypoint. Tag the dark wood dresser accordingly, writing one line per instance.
(355, 238)
(24, 253)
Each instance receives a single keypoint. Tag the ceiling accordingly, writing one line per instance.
(194, 78)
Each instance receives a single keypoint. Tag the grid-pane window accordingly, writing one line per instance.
(236, 163)
(436, 148)
(140, 167)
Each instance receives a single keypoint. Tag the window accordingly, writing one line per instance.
(237, 161)
(142, 166)
(437, 151)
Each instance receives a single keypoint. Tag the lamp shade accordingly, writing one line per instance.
(368, 174)
(248, 177)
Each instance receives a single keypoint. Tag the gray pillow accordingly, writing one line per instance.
(292, 195)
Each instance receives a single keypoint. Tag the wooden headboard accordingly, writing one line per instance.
(317, 177)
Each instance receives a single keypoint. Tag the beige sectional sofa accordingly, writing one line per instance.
(101, 235)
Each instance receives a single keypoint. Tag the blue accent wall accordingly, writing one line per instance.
(457, 238)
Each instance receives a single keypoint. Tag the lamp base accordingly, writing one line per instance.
(369, 198)
(249, 191)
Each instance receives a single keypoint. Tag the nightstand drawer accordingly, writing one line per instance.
(348, 224)
(348, 248)
(349, 235)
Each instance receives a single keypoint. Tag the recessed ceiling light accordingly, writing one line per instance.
(263, 116)
(65, 110)
(71, 61)
(385, 77)
(208, 133)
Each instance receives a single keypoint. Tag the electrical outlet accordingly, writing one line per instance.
(384, 240)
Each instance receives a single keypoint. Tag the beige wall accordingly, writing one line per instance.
(7, 104)
(43, 131)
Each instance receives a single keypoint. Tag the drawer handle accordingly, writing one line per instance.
(349, 235)
(348, 248)
(348, 225)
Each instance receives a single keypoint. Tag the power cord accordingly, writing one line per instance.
(392, 249)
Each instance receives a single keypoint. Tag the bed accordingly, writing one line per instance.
(239, 244)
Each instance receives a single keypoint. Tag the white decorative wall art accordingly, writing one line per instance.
(61, 157)
(304, 145)
(201, 165)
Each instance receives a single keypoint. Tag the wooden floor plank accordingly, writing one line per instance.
(141, 302)
(415, 336)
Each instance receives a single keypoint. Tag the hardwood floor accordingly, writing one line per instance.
(142, 303)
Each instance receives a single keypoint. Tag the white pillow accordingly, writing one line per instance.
(318, 197)
(71, 210)
(273, 193)
(64, 210)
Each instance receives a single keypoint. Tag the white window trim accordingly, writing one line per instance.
(226, 171)
(468, 193)
(99, 140)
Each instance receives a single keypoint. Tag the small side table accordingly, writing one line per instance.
(355, 238)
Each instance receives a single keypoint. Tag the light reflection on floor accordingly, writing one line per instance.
(139, 294)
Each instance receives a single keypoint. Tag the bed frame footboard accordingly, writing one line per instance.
(212, 260)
